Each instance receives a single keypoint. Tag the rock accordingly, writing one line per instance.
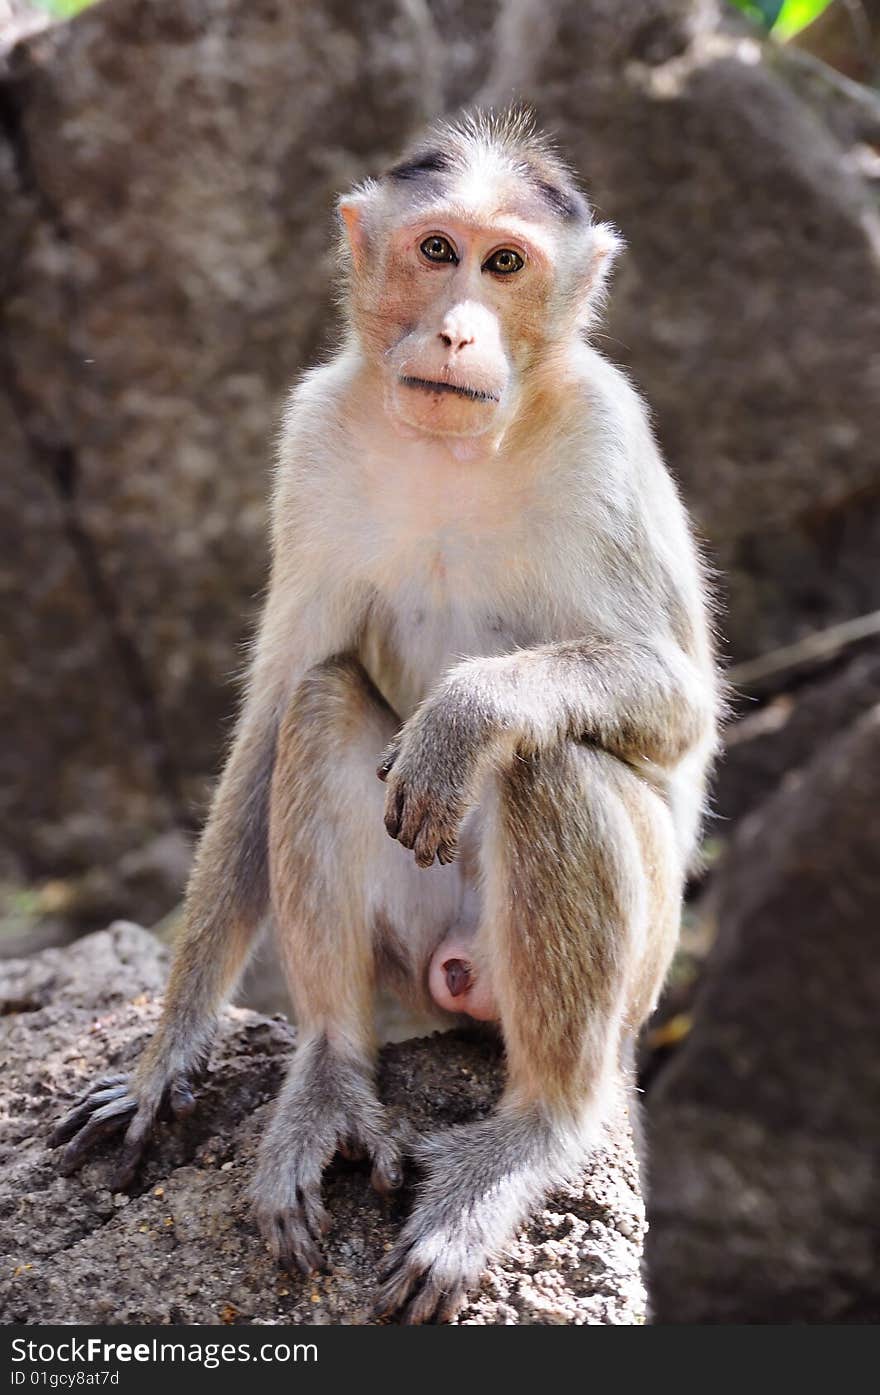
(183, 1247)
(765, 747)
(167, 175)
(766, 1155)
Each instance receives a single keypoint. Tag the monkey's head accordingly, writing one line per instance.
(474, 266)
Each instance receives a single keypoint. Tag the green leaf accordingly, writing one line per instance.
(795, 15)
(784, 17)
(65, 9)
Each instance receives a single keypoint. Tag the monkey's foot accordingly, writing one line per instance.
(481, 1181)
(326, 1108)
(112, 1104)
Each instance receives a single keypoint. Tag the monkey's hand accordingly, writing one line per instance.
(116, 1102)
(432, 770)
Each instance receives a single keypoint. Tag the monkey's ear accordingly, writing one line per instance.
(605, 247)
(350, 210)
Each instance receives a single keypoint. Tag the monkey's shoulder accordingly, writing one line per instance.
(316, 401)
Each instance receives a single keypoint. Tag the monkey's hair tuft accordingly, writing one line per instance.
(510, 134)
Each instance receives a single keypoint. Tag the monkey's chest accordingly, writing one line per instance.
(434, 610)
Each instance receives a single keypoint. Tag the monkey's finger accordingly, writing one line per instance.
(105, 1121)
(426, 844)
(394, 810)
(73, 1122)
(411, 819)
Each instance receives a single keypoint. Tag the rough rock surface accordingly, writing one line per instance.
(765, 1159)
(183, 1247)
(167, 175)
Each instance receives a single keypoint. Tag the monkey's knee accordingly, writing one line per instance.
(334, 699)
(578, 808)
(335, 725)
(334, 728)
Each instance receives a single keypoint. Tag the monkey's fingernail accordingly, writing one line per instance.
(458, 977)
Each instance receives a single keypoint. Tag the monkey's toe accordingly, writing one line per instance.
(178, 1100)
(88, 1126)
(383, 1146)
(414, 1289)
(294, 1233)
(433, 1303)
(103, 1092)
(387, 1173)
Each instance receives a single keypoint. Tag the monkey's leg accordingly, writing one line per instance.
(226, 900)
(336, 882)
(582, 896)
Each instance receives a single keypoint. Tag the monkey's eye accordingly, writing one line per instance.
(438, 249)
(504, 262)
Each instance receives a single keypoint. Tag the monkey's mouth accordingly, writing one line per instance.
(473, 394)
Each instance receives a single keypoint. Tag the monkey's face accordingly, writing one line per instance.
(454, 311)
(472, 276)
(465, 302)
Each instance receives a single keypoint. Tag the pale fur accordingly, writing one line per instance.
(504, 594)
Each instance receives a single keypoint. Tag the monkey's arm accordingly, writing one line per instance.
(640, 700)
(644, 701)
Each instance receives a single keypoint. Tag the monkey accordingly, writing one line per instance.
(485, 589)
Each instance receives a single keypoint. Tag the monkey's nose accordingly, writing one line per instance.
(454, 342)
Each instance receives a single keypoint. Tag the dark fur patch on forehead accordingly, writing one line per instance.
(429, 162)
(568, 203)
